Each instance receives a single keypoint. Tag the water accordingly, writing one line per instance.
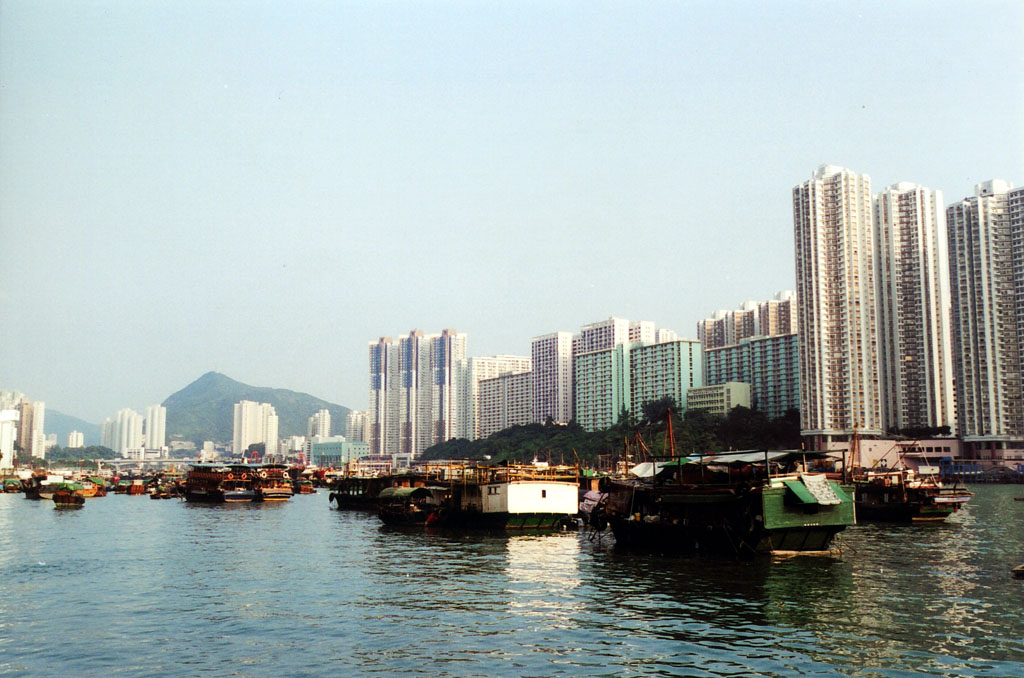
(128, 586)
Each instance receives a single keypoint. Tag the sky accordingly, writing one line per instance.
(264, 188)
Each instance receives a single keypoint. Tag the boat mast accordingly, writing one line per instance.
(670, 440)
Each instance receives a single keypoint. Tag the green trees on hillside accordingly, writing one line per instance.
(69, 456)
(694, 432)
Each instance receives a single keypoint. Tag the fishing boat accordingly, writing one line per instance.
(100, 485)
(514, 496)
(68, 495)
(357, 492)
(238, 483)
(42, 486)
(87, 488)
(272, 483)
(411, 505)
(204, 482)
(137, 487)
(904, 496)
(12, 485)
(742, 503)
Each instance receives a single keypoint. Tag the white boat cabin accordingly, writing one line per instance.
(530, 496)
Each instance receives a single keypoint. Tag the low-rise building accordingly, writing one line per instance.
(719, 398)
(336, 452)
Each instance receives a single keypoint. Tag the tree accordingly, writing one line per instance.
(656, 411)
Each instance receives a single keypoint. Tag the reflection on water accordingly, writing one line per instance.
(294, 588)
(542, 574)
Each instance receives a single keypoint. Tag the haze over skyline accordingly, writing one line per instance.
(261, 190)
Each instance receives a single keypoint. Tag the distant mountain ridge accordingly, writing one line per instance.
(204, 410)
(63, 424)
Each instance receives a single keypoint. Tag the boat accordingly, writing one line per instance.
(207, 482)
(357, 492)
(411, 505)
(740, 503)
(42, 485)
(304, 486)
(100, 485)
(204, 482)
(238, 483)
(68, 495)
(87, 488)
(904, 496)
(514, 496)
(164, 491)
(12, 486)
(272, 483)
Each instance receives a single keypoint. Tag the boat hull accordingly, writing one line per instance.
(203, 496)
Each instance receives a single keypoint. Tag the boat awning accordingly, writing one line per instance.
(813, 490)
(404, 492)
(758, 456)
(798, 489)
(652, 468)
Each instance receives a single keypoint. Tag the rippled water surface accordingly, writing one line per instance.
(135, 587)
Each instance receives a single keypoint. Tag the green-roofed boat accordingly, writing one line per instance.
(744, 503)
(68, 495)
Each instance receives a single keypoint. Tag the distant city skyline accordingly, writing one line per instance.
(259, 191)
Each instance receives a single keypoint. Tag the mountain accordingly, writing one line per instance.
(63, 424)
(204, 410)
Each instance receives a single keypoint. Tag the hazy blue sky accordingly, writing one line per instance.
(263, 188)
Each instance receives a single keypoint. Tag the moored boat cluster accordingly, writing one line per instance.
(743, 503)
(203, 482)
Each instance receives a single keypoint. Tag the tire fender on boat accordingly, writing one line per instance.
(263, 474)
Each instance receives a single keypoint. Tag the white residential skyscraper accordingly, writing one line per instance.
(385, 399)
(478, 370)
(414, 391)
(357, 426)
(986, 244)
(835, 277)
(156, 427)
(551, 377)
(319, 424)
(914, 334)
(504, 401)
(255, 423)
(8, 435)
(31, 435)
(448, 364)
(126, 432)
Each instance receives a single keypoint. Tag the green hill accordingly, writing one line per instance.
(63, 424)
(204, 410)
